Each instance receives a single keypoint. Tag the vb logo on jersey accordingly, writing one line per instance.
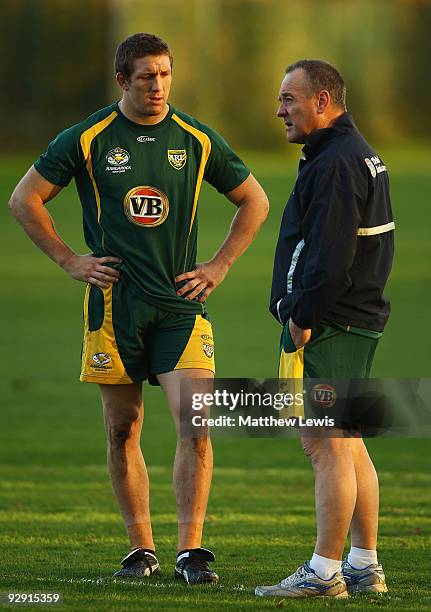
(177, 158)
(146, 206)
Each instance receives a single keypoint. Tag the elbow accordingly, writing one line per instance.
(256, 207)
(19, 204)
(262, 209)
(265, 208)
(259, 211)
(13, 204)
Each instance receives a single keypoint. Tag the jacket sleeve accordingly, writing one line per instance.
(330, 224)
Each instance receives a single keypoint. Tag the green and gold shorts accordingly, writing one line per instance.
(127, 340)
(333, 352)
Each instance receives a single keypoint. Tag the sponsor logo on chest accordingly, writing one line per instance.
(146, 206)
(117, 159)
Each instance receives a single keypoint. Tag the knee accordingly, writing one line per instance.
(312, 449)
(118, 434)
(120, 430)
(323, 451)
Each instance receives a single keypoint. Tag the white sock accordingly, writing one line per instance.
(325, 568)
(361, 557)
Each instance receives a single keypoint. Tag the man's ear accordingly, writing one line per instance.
(323, 100)
(122, 81)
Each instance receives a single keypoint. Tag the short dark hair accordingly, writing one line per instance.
(139, 45)
(322, 75)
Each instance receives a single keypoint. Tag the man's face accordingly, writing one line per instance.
(147, 88)
(299, 108)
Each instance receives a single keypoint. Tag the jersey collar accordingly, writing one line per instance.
(143, 127)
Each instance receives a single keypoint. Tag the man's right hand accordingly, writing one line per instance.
(94, 270)
(299, 336)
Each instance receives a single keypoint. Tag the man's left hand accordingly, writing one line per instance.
(299, 336)
(204, 278)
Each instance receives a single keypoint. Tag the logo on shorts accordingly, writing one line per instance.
(208, 349)
(146, 206)
(323, 396)
(177, 158)
(102, 358)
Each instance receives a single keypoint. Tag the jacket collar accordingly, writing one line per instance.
(320, 138)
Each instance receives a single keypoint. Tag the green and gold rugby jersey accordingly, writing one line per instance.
(139, 187)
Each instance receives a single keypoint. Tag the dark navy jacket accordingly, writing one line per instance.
(336, 241)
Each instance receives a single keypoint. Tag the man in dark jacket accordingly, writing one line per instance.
(332, 261)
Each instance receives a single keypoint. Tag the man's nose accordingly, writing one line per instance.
(156, 85)
(281, 111)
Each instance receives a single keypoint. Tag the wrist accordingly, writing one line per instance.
(223, 261)
(64, 259)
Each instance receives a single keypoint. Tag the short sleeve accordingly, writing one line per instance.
(61, 161)
(224, 170)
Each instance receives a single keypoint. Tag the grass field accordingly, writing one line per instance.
(59, 526)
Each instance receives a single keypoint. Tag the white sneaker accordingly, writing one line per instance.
(371, 579)
(306, 583)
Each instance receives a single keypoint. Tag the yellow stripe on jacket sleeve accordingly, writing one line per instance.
(86, 139)
(206, 150)
(377, 229)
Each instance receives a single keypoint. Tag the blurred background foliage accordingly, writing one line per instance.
(57, 62)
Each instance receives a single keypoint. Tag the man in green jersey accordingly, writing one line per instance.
(138, 166)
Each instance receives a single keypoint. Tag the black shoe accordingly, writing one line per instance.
(192, 567)
(140, 563)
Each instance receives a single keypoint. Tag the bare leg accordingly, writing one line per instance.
(335, 489)
(365, 517)
(123, 413)
(192, 467)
